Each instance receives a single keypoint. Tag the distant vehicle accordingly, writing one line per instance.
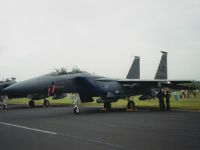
(87, 85)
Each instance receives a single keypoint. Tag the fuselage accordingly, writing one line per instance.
(85, 84)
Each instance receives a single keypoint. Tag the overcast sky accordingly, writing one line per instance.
(99, 36)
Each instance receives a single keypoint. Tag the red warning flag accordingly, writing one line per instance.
(49, 91)
(53, 89)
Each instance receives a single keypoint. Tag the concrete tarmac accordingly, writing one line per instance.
(56, 128)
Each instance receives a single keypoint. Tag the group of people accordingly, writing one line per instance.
(185, 94)
(164, 97)
(195, 92)
(161, 96)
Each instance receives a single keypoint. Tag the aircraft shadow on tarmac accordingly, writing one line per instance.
(84, 109)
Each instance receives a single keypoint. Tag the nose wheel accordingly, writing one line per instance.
(76, 110)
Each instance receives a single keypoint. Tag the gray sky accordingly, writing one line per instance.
(99, 36)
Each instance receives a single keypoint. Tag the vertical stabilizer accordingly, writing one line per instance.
(134, 72)
(162, 68)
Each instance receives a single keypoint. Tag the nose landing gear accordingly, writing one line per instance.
(76, 110)
(75, 98)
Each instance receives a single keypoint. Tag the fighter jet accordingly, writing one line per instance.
(60, 82)
(87, 86)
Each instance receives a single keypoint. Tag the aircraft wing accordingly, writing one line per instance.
(180, 81)
(145, 82)
(127, 81)
(180, 84)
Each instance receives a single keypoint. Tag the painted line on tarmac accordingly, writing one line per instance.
(27, 128)
(96, 141)
(92, 106)
(67, 135)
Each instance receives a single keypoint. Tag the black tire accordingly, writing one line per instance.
(131, 105)
(76, 110)
(5, 107)
(31, 103)
(46, 103)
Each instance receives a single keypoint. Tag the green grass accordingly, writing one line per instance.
(182, 104)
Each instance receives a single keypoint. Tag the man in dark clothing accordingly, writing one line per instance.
(161, 100)
(168, 100)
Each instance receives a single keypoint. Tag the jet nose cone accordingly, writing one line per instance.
(13, 90)
(9, 89)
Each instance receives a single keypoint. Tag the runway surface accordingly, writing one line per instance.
(55, 128)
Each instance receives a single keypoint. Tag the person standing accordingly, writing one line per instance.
(187, 94)
(168, 100)
(161, 100)
(194, 93)
(175, 96)
(197, 91)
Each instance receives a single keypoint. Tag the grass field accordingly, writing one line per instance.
(182, 104)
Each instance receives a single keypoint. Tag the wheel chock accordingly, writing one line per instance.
(129, 110)
(104, 109)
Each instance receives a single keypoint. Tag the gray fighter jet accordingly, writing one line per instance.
(87, 85)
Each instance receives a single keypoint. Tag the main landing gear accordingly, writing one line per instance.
(107, 105)
(46, 103)
(130, 105)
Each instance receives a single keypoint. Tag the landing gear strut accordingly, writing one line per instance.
(107, 105)
(31, 103)
(46, 103)
(131, 105)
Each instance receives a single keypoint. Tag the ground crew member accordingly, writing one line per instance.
(168, 100)
(161, 100)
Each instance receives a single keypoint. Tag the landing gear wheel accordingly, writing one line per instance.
(31, 103)
(5, 106)
(131, 105)
(76, 110)
(46, 103)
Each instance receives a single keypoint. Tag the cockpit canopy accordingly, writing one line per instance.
(63, 71)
